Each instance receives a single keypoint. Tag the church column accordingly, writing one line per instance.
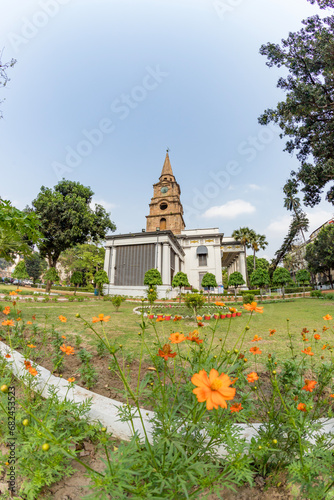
(112, 264)
(107, 261)
(242, 265)
(177, 264)
(166, 264)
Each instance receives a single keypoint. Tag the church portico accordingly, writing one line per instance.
(233, 257)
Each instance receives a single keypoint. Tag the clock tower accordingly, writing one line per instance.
(166, 211)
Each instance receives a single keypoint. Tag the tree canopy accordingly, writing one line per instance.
(152, 277)
(306, 116)
(261, 263)
(303, 276)
(236, 279)
(320, 253)
(35, 265)
(87, 258)
(209, 280)
(20, 272)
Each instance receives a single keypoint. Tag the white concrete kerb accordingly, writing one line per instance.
(105, 410)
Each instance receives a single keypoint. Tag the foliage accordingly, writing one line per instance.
(225, 278)
(18, 230)
(209, 280)
(245, 236)
(236, 279)
(260, 278)
(101, 278)
(247, 298)
(88, 258)
(180, 279)
(66, 218)
(281, 277)
(76, 279)
(194, 301)
(303, 276)
(116, 301)
(51, 275)
(20, 271)
(152, 277)
(306, 115)
(261, 263)
(320, 253)
(35, 265)
(257, 242)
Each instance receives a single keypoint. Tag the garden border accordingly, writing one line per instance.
(105, 410)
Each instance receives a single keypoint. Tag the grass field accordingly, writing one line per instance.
(124, 325)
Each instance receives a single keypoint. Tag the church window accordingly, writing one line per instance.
(162, 224)
(163, 206)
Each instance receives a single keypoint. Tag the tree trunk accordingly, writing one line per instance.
(247, 279)
(283, 292)
(75, 290)
(254, 261)
(261, 293)
(180, 296)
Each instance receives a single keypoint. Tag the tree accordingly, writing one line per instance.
(281, 277)
(260, 278)
(152, 277)
(66, 219)
(51, 276)
(101, 278)
(35, 266)
(18, 230)
(87, 258)
(306, 116)
(236, 279)
(4, 79)
(180, 279)
(244, 235)
(209, 280)
(76, 279)
(261, 263)
(257, 242)
(303, 276)
(225, 278)
(20, 271)
(320, 253)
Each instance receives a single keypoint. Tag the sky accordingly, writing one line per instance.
(102, 88)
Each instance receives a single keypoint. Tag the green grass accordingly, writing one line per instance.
(124, 325)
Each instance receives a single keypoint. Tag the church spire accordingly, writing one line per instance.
(167, 168)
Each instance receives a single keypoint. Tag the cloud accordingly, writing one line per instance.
(230, 210)
(106, 204)
(255, 187)
(280, 225)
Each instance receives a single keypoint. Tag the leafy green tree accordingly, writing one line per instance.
(66, 219)
(51, 276)
(281, 277)
(306, 116)
(195, 302)
(303, 276)
(76, 279)
(87, 258)
(244, 235)
(236, 279)
(320, 253)
(225, 278)
(18, 230)
(260, 278)
(152, 277)
(20, 271)
(35, 265)
(209, 280)
(257, 242)
(116, 301)
(180, 279)
(261, 263)
(101, 278)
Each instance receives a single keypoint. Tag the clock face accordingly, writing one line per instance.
(164, 189)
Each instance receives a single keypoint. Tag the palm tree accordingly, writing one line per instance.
(244, 235)
(257, 242)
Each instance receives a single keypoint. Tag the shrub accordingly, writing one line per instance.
(247, 298)
(316, 293)
(116, 301)
(194, 302)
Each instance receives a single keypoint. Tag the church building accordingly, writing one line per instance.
(167, 246)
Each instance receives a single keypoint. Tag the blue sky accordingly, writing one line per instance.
(102, 88)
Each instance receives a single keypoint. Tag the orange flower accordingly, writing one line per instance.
(328, 317)
(200, 323)
(305, 339)
(308, 351)
(236, 407)
(33, 371)
(12, 293)
(256, 338)
(18, 319)
(232, 310)
(305, 330)
(271, 332)
(18, 312)
(214, 389)
(253, 307)
(6, 310)
(27, 364)
(63, 336)
(14, 303)
(252, 377)
(8, 322)
(193, 337)
(34, 317)
(71, 379)
(255, 350)
(331, 395)
(177, 338)
(317, 336)
(301, 407)
(101, 318)
(67, 349)
(31, 346)
(219, 304)
(166, 352)
(29, 322)
(309, 385)
(324, 328)
(324, 347)
(199, 318)
(177, 318)
(7, 356)
(62, 319)
(18, 290)
(160, 319)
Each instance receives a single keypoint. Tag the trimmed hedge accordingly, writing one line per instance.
(69, 288)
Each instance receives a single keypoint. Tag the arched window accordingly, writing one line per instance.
(202, 253)
(162, 224)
